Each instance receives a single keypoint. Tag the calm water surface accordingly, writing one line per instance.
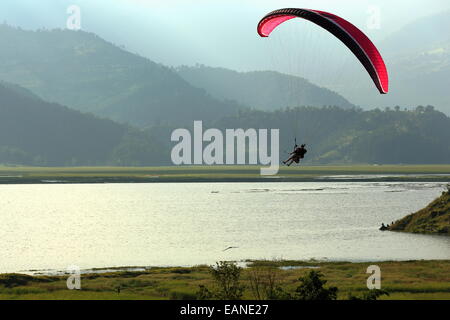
(106, 225)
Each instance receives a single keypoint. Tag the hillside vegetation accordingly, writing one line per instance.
(35, 132)
(334, 135)
(84, 72)
(435, 218)
(134, 104)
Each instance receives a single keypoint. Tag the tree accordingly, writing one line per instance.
(420, 109)
(226, 276)
(312, 288)
(429, 108)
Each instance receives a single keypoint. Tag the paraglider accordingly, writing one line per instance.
(296, 155)
(361, 46)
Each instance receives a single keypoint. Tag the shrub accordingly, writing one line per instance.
(312, 288)
(264, 284)
(226, 276)
(179, 295)
(182, 271)
(14, 280)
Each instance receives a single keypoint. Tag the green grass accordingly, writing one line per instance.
(403, 280)
(214, 173)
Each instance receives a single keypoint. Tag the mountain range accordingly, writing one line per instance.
(72, 98)
(86, 73)
(36, 132)
(262, 90)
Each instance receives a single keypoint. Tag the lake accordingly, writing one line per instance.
(50, 227)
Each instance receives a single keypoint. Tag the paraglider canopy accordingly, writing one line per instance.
(350, 35)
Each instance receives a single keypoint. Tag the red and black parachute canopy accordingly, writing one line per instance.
(350, 35)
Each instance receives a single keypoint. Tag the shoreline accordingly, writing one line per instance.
(404, 279)
(211, 180)
(242, 263)
(223, 174)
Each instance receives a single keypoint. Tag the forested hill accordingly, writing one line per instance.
(334, 135)
(34, 132)
(84, 72)
(263, 90)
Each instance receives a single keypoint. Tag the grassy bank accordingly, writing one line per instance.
(403, 280)
(434, 219)
(13, 175)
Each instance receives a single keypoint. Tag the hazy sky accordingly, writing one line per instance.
(212, 32)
